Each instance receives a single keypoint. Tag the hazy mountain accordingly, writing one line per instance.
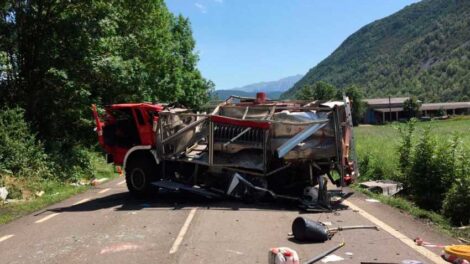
(422, 50)
(273, 89)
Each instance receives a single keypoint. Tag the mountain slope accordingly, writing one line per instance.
(273, 89)
(422, 50)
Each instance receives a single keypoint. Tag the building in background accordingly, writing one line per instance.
(382, 110)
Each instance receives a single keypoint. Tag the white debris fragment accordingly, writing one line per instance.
(331, 258)
(372, 201)
(3, 193)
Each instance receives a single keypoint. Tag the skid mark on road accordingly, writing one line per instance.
(183, 231)
(104, 190)
(82, 201)
(46, 218)
(3, 238)
(121, 183)
(406, 240)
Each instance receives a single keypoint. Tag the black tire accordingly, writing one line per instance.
(141, 171)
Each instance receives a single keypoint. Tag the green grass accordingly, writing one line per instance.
(54, 192)
(381, 142)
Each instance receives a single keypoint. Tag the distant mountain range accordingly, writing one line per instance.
(422, 50)
(273, 89)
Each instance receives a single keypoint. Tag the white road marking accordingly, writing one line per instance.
(121, 183)
(3, 238)
(406, 240)
(104, 190)
(82, 201)
(46, 218)
(183, 231)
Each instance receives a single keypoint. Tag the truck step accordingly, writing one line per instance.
(175, 186)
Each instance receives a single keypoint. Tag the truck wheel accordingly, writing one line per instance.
(140, 173)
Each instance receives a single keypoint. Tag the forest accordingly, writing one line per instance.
(59, 57)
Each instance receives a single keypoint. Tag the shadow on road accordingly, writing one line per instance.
(177, 201)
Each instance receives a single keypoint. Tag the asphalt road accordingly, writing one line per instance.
(106, 225)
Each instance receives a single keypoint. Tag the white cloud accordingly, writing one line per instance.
(201, 7)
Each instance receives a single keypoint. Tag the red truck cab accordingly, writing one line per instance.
(125, 126)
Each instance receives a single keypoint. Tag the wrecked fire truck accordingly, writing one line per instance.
(246, 148)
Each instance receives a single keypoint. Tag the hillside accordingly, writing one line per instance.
(273, 88)
(422, 50)
(224, 94)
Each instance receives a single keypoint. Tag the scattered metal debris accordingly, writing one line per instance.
(313, 231)
(324, 254)
(385, 187)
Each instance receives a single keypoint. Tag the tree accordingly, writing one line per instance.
(318, 91)
(356, 96)
(411, 107)
(59, 57)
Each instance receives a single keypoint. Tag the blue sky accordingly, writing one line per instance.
(246, 41)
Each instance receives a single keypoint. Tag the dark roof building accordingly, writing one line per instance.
(381, 110)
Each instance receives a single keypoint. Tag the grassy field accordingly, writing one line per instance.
(53, 192)
(380, 143)
(377, 150)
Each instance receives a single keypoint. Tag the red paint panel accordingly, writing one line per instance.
(239, 122)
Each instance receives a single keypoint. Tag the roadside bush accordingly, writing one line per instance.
(405, 151)
(457, 201)
(21, 154)
(72, 162)
(431, 170)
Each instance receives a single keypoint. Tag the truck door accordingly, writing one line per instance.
(144, 126)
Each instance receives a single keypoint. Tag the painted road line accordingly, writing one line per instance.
(46, 218)
(82, 201)
(183, 231)
(104, 190)
(121, 183)
(3, 238)
(406, 240)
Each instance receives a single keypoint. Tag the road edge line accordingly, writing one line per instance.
(183, 231)
(3, 238)
(406, 240)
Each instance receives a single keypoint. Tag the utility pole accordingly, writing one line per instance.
(390, 108)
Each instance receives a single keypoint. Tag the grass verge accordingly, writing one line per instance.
(407, 206)
(54, 192)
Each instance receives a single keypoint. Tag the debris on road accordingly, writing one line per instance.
(283, 255)
(332, 258)
(324, 254)
(459, 254)
(384, 187)
(313, 231)
(421, 242)
(372, 201)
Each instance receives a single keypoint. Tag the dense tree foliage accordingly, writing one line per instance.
(411, 107)
(318, 91)
(356, 97)
(59, 57)
(422, 50)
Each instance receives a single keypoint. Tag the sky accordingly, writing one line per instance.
(240, 42)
